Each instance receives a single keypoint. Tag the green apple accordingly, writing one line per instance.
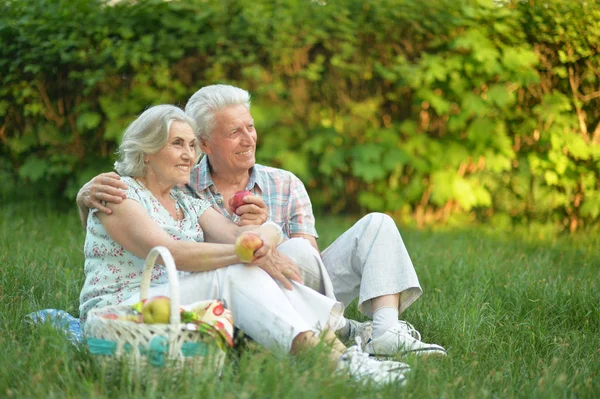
(157, 310)
(246, 244)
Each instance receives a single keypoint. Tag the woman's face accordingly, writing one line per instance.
(232, 143)
(173, 163)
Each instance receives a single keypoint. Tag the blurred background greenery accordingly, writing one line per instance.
(445, 112)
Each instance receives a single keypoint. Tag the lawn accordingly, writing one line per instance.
(519, 317)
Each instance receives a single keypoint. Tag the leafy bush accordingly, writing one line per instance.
(442, 112)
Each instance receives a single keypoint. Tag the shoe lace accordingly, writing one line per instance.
(355, 351)
(358, 341)
(412, 331)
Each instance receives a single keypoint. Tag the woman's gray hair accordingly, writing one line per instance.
(148, 134)
(206, 102)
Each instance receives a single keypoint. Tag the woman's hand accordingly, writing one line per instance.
(277, 265)
(106, 187)
(253, 212)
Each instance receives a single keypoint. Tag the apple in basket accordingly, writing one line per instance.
(246, 244)
(237, 199)
(157, 310)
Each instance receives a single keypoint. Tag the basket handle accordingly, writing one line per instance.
(171, 274)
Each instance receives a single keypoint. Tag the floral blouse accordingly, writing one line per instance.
(112, 273)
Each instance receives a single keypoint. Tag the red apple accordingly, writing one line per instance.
(157, 310)
(246, 245)
(237, 199)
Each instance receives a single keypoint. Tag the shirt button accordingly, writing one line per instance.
(220, 201)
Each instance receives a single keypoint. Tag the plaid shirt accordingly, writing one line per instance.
(283, 193)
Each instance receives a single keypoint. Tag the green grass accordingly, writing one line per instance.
(519, 317)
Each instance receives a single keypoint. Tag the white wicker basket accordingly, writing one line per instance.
(141, 345)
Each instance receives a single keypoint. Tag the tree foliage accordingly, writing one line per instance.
(443, 111)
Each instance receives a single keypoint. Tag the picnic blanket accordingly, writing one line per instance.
(61, 321)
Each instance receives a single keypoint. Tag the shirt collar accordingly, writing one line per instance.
(201, 178)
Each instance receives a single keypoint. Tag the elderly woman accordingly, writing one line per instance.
(157, 153)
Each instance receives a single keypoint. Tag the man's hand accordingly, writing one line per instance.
(277, 265)
(253, 212)
(106, 187)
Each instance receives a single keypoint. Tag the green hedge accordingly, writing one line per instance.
(441, 111)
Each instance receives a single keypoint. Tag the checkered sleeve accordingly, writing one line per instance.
(300, 215)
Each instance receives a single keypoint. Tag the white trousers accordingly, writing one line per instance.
(267, 312)
(367, 261)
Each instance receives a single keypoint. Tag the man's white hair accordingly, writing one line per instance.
(206, 102)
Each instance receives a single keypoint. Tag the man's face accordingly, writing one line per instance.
(232, 143)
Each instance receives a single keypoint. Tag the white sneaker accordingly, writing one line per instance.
(363, 330)
(402, 339)
(409, 329)
(359, 365)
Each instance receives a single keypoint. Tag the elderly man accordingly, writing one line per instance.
(369, 261)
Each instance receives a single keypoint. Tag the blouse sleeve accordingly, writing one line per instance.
(131, 193)
(199, 206)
